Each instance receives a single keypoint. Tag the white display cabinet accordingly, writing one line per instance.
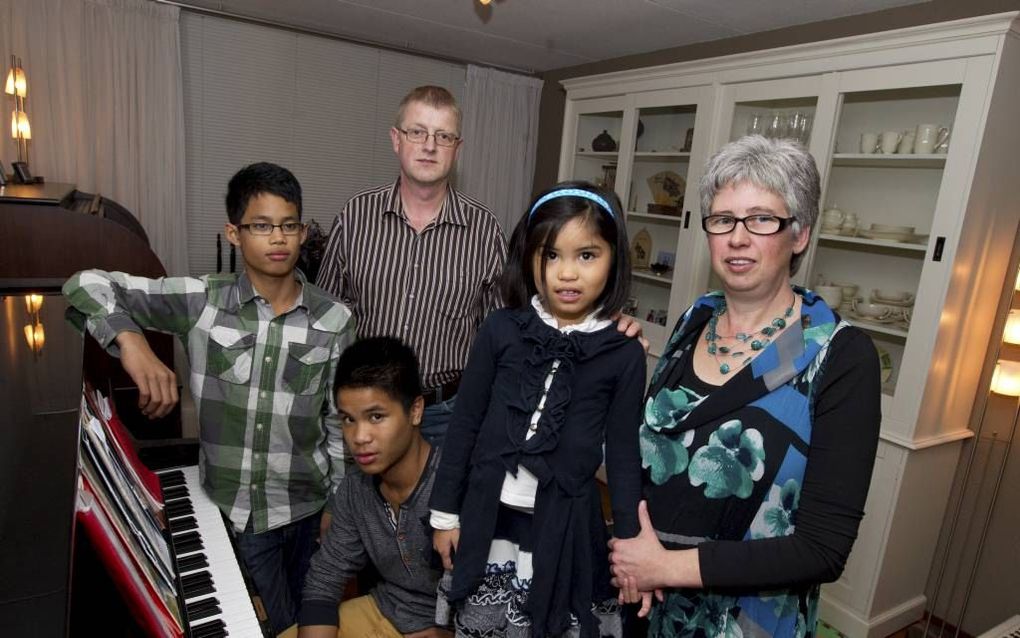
(661, 148)
(932, 232)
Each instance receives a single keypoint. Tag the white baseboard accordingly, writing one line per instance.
(851, 624)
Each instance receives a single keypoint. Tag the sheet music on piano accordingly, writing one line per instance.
(171, 557)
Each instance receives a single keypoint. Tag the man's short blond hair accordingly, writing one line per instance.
(435, 96)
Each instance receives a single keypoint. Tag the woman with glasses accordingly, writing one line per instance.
(760, 423)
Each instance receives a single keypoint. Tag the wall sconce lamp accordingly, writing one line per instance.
(33, 303)
(1006, 378)
(21, 130)
(35, 335)
(1005, 382)
(1011, 333)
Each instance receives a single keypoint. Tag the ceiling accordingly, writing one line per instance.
(538, 35)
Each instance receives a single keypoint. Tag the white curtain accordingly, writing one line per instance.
(497, 163)
(105, 104)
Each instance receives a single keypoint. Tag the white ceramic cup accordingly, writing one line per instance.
(928, 136)
(832, 217)
(849, 290)
(869, 143)
(888, 141)
(906, 146)
(832, 295)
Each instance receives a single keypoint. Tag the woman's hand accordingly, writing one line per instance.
(648, 563)
(445, 542)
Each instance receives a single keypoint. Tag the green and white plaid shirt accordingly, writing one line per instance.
(270, 438)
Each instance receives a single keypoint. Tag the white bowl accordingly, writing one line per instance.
(872, 310)
(891, 295)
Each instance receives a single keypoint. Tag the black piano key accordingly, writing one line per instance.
(198, 590)
(187, 542)
(171, 479)
(183, 524)
(179, 508)
(191, 563)
(190, 581)
(210, 629)
(177, 491)
(203, 609)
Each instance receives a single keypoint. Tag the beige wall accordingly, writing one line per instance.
(553, 97)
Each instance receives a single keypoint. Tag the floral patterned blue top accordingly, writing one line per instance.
(767, 474)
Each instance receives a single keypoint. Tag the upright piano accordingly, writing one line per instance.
(51, 582)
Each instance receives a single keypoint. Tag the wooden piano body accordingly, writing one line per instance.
(51, 583)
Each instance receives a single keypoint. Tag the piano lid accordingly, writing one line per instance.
(45, 242)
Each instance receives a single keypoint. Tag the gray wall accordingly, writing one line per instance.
(553, 97)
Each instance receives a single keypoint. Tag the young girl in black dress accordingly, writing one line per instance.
(551, 388)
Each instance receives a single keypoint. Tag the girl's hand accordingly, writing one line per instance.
(630, 594)
(445, 542)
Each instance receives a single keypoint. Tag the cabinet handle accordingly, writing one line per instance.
(940, 244)
(687, 219)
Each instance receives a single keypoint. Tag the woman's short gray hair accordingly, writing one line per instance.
(783, 167)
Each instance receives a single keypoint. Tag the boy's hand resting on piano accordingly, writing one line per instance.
(157, 384)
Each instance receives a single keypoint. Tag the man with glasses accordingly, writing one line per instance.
(263, 347)
(417, 259)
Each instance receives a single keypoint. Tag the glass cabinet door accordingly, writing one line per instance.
(799, 109)
(597, 141)
(879, 203)
(661, 174)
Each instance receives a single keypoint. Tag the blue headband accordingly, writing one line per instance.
(571, 192)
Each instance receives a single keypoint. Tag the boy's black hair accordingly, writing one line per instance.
(255, 179)
(384, 363)
(539, 230)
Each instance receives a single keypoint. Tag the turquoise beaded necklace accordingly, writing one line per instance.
(755, 340)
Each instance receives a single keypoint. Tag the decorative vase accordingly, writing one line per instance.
(603, 142)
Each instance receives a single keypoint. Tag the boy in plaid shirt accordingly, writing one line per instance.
(263, 347)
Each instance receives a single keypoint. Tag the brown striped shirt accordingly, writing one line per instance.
(431, 289)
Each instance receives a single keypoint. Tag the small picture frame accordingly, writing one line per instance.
(630, 307)
(21, 173)
(3, 175)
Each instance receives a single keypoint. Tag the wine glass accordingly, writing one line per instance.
(755, 124)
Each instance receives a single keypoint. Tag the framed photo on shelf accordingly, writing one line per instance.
(21, 173)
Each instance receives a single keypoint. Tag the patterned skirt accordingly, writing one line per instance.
(497, 608)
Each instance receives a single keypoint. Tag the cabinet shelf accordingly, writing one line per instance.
(654, 155)
(597, 154)
(665, 219)
(663, 280)
(892, 329)
(930, 160)
(883, 243)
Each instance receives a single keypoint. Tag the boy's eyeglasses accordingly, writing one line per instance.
(755, 224)
(419, 135)
(265, 228)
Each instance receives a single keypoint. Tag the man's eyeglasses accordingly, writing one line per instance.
(265, 228)
(419, 135)
(755, 224)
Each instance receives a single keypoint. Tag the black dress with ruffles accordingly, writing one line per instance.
(595, 399)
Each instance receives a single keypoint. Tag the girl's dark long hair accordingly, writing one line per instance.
(539, 230)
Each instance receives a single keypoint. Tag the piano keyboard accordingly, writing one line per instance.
(216, 599)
